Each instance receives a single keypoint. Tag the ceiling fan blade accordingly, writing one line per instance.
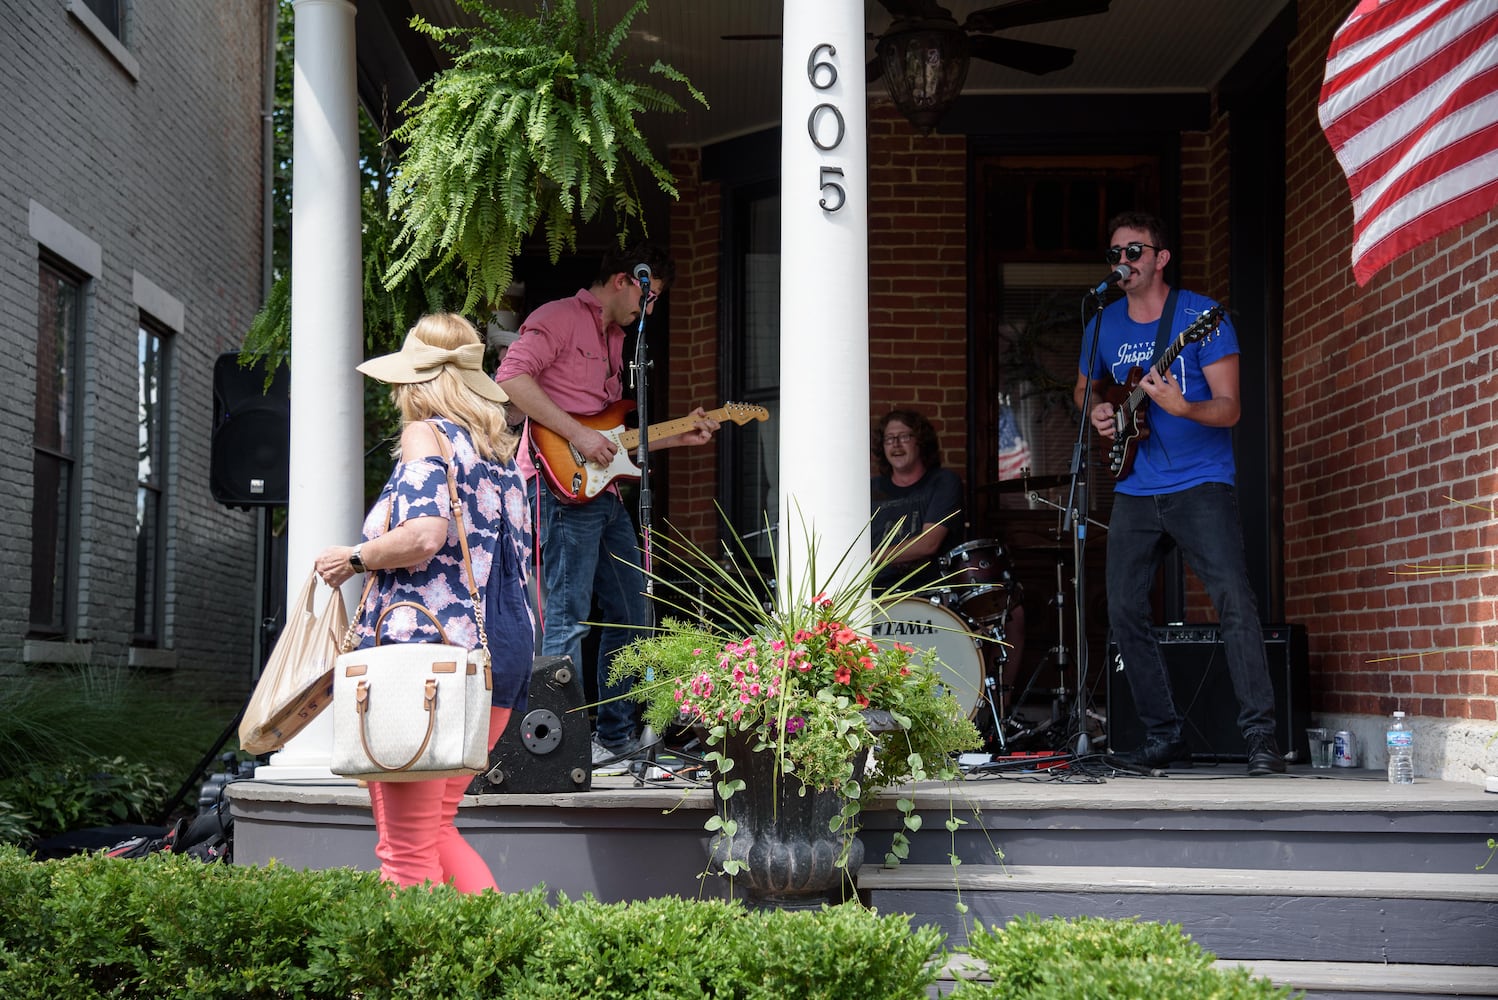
(1022, 12)
(1031, 57)
(923, 9)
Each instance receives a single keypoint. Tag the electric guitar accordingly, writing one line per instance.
(574, 479)
(1129, 426)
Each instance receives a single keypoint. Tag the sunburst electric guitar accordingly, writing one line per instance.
(575, 480)
(1130, 428)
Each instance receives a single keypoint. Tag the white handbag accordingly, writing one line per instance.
(414, 711)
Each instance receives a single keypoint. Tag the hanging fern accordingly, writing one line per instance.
(533, 126)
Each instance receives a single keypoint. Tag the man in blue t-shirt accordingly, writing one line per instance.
(1178, 490)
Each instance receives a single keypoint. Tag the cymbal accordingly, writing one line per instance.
(1025, 484)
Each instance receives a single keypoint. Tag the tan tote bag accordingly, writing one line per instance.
(297, 682)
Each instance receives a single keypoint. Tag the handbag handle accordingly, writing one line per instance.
(455, 504)
(361, 706)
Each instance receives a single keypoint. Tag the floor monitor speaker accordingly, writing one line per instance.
(547, 748)
(1196, 660)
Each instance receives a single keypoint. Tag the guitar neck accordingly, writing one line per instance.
(1159, 368)
(630, 439)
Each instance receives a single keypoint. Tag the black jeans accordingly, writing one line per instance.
(1203, 522)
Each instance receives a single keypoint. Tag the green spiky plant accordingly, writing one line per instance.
(801, 679)
(534, 124)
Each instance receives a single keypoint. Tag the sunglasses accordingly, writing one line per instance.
(651, 295)
(1133, 252)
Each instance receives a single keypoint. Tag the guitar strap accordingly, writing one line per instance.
(1167, 324)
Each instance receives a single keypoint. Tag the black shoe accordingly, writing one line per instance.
(1156, 753)
(1264, 755)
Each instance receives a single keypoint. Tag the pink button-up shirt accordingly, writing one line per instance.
(573, 357)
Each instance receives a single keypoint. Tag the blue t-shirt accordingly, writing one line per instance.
(1179, 453)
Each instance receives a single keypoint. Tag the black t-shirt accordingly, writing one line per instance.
(899, 513)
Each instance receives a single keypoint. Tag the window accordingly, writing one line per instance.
(752, 350)
(108, 12)
(54, 456)
(150, 487)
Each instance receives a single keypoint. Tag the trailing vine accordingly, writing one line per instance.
(533, 125)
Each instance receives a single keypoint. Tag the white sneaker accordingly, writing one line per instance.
(601, 753)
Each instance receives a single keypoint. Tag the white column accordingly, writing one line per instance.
(327, 403)
(824, 359)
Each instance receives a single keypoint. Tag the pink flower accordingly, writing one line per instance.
(843, 675)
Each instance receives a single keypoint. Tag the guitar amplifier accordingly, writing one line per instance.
(1196, 662)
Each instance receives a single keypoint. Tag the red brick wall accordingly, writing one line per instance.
(1389, 435)
(692, 476)
(918, 275)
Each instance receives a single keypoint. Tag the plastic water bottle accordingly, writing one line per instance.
(1400, 740)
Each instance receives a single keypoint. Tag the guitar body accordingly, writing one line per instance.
(575, 480)
(1130, 427)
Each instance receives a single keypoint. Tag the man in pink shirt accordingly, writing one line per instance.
(568, 361)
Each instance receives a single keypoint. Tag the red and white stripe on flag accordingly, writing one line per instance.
(1410, 106)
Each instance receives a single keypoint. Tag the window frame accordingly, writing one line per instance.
(62, 621)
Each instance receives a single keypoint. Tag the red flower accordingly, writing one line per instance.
(843, 675)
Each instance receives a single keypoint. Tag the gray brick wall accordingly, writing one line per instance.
(155, 158)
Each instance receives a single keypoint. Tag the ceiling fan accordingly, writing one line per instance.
(923, 55)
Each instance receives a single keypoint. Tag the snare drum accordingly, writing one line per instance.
(926, 625)
(979, 578)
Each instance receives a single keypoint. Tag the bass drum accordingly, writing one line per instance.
(928, 626)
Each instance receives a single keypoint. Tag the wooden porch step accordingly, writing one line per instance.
(1405, 918)
(1317, 980)
(1223, 881)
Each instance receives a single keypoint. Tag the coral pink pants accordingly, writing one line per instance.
(417, 839)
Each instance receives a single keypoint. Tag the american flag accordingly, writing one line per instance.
(1410, 106)
(1014, 450)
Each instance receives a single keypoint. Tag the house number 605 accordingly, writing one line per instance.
(822, 73)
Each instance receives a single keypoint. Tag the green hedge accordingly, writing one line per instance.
(1090, 957)
(168, 926)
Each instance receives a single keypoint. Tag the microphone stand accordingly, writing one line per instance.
(639, 380)
(1074, 520)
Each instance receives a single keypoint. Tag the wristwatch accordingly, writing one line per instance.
(356, 560)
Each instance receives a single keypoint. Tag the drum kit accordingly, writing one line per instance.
(973, 620)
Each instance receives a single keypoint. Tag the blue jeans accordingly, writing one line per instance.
(591, 550)
(1203, 522)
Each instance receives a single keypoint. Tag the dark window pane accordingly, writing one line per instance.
(49, 543)
(149, 500)
(108, 12)
(59, 299)
(1048, 206)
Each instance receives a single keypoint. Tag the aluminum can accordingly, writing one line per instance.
(1344, 749)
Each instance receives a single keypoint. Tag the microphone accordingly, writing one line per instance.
(642, 273)
(1119, 273)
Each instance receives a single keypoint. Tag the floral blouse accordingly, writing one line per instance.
(499, 542)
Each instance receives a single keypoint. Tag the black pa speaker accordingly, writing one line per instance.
(548, 749)
(1196, 662)
(249, 464)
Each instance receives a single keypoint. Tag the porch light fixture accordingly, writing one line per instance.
(924, 65)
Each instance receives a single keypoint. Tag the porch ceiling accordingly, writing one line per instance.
(1137, 47)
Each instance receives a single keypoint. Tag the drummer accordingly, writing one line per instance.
(917, 505)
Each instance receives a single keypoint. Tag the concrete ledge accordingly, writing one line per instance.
(1318, 979)
(1173, 881)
